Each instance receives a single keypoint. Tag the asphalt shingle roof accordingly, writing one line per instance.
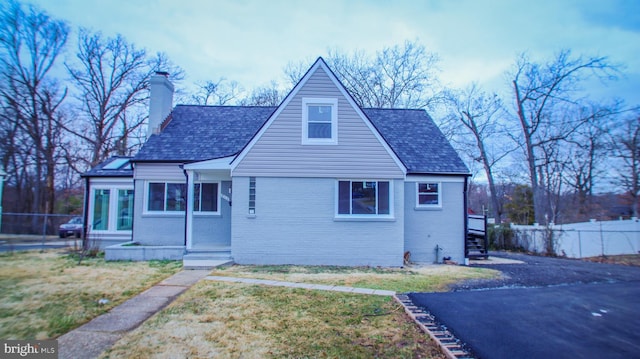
(416, 140)
(198, 133)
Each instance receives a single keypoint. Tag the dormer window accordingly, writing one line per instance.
(319, 121)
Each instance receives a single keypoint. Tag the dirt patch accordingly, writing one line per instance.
(625, 259)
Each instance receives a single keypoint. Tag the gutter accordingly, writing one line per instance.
(186, 205)
(466, 219)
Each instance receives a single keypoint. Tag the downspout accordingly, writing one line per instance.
(133, 213)
(85, 215)
(466, 219)
(186, 212)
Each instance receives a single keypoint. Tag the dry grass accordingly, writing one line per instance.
(215, 319)
(624, 259)
(46, 294)
(425, 278)
(246, 321)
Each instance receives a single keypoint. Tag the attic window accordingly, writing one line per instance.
(319, 121)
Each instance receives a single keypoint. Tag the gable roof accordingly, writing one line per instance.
(116, 166)
(198, 133)
(317, 65)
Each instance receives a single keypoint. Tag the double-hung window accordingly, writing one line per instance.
(366, 198)
(166, 197)
(205, 197)
(429, 194)
(319, 121)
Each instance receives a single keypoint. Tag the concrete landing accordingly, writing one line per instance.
(201, 264)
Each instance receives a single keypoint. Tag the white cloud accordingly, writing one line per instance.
(251, 41)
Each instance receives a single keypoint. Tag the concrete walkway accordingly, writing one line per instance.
(91, 339)
(334, 288)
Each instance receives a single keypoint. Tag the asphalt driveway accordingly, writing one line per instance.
(544, 308)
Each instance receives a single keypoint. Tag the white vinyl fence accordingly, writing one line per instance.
(586, 239)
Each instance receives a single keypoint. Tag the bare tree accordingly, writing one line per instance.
(477, 112)
(112, 77)
(401, 76)
(587, 153)
(626, 145)
(264, 96)
(220, 93)
(547, 110)
(30, 43)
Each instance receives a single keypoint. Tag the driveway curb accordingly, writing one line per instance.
(451, 346)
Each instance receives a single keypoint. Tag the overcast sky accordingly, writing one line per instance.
(251, 41)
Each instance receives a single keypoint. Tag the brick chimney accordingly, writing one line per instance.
(160, 102)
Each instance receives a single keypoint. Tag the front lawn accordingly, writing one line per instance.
(233, 320)
(45, 294)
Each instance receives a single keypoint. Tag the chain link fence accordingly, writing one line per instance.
(39, 226)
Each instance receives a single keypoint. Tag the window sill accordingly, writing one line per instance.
(207, 214)
(307, 142)
(364, 219)
(251, 216)
(163, 214)
(428, 208)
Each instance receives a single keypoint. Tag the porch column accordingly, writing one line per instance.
(189, 215)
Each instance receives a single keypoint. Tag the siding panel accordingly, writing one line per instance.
(280, 153)
(159, 172)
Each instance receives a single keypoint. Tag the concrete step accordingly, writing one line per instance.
(204, 263)
(207, 255)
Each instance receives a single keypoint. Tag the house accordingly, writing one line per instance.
(316, 180)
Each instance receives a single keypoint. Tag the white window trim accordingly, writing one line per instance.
(207, 213)
(333, 102)
(163, 213)
(113, 209)
(365, 217)
(428, 206)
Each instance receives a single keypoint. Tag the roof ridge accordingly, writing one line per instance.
(393, 108)
(223, 106)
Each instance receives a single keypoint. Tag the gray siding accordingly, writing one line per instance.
(294, 224)
(163, 229)
(426, 229)
(159, 171)
(211, 231)
(280, 153)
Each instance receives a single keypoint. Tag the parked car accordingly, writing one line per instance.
(73, 227)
